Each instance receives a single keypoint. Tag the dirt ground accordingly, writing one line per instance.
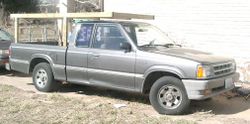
(20, 102)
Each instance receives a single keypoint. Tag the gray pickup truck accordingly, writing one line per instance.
(128, 56)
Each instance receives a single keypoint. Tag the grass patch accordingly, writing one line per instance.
(17, 106)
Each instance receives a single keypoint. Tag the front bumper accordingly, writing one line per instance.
(203, 89)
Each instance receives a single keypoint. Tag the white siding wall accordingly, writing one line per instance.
(217, 26)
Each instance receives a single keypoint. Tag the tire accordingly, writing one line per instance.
(168, 96)
(43, 78)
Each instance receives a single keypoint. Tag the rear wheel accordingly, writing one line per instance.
(168, 96)
(43, 78)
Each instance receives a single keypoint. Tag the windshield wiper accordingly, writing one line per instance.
(151, 44)
(168, 45)
(164, 45)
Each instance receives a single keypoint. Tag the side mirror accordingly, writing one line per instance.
(126, 46)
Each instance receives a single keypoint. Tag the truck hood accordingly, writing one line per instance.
(194, 55)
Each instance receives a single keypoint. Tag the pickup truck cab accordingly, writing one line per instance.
(128, 56)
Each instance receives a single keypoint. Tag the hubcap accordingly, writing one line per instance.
(169, 97)
(41, 78)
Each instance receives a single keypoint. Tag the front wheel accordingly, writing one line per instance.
(168, 96)
(43, 78)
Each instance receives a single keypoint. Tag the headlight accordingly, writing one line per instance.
(4, 52)
(204, 71)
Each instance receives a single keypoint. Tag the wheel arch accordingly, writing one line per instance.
(39, 58)
(152, 75)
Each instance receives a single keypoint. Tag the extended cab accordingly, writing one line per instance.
(129, 56)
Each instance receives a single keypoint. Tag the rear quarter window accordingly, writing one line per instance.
(84, 35)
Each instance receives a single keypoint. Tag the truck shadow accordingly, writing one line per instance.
(12, 73)
(219, 105)
(3, 71)
(95, 91)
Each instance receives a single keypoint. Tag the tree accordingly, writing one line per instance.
(16, 6)
(87, 6)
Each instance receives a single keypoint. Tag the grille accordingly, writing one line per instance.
(224, 68)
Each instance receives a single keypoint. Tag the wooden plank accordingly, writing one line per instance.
(131, 16)
(16, 29)
(90, 15)
(110, 15)
(37, 16)
(60, 16)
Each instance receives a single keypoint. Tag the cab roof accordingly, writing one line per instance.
(110, 21)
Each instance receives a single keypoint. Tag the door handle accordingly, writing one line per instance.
(96, 55)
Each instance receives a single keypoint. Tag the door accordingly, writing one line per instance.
(77, 54)
(108, 64)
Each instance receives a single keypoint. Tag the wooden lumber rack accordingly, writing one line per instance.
(65, 19)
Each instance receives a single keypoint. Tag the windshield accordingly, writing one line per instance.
(4, 36)
(147, 35)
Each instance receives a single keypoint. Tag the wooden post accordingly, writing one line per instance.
(65, 31)
(101, 5)
(30, 35)
(46, 33)
(62, 24)
(16, 29)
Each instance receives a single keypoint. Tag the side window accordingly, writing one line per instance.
(84, 35)
(108, 37)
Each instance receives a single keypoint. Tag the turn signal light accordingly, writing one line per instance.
(200, 72)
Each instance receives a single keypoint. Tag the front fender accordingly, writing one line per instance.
(164, 68)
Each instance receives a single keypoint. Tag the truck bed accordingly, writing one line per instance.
(24, 52)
